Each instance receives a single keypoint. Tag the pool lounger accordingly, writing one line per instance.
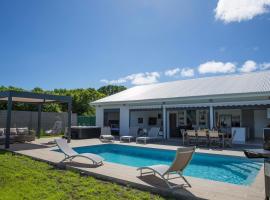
(70, 154)
(153, 134)
(132, 131)
(182, 159)
(105, 135)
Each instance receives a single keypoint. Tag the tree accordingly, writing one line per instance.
(111, 89)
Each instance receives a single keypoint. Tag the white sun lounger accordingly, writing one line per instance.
(106, 135)
(152, 135)
(132, 134)
(70, 154)
(182, 159)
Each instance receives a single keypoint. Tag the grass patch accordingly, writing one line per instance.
(24, 178)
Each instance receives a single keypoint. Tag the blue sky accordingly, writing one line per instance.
(90, 43)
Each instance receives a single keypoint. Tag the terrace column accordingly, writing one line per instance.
(124, 120)
(39, 120)
(8, 122)
(99, 116)
(69, 121)
(211, 114)
(164, 117)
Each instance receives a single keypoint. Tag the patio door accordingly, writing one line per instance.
(173, 124)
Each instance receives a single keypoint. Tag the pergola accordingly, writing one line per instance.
(33, 98)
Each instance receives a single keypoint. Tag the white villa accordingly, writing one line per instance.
(239, 102)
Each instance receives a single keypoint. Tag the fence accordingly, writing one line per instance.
(86, 120)
(29, 119)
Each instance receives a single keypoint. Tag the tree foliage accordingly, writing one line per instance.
(111, 89)
(81, 99)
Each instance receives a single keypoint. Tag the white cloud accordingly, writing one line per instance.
(172, 72)
(265, 66)
(214, 67)
(248, 66)
(135, 79)
(187, 72)
(240, 10)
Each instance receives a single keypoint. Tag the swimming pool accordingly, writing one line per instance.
(229, 169)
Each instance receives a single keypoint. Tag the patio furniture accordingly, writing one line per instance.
(56, 129)
(228, 140)
(214, 138)
(153, 134)
(191, 137)
(132, 134)
(17, 135)
(182, 158)
(70, 154)
(202, 137)
(106, 135)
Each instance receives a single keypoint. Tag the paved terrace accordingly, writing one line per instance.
(41, 149)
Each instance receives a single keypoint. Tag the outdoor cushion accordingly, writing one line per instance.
(13, 131)
(22, 131)
(2, 131)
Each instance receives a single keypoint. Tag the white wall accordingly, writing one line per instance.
(99, 116)
(134, 115)
(260, 122)
(124, 120)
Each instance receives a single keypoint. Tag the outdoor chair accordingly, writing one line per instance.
(191, 137)
(106, 135)
(175, 170)
(214, 138)
(153, 134)
(56, 129)
(202, 137)
(228, 140)
(132, 134)
(70, 154)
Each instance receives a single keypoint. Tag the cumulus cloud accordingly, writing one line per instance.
(135, 79)
(240, 10)
(213, 67)
(187, 72)
(172, 72)
(265, 66)
(248, 66)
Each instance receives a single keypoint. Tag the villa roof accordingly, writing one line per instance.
(256, 83)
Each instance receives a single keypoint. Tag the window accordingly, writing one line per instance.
(140, 120)
(152, 121)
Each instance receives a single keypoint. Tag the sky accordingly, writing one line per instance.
(91, 43)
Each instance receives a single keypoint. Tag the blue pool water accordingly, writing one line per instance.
(230, 169)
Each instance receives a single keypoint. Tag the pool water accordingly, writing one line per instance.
(229, 169)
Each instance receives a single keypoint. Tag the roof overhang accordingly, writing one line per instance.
(29, 97)
(206, 98)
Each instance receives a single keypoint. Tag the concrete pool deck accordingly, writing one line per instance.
(41, 149)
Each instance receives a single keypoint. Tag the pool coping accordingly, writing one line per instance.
(203, 188)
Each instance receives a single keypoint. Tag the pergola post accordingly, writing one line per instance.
(39, 120)
(8, 121)
(69, 121)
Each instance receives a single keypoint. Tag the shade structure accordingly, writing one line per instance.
(33, 98)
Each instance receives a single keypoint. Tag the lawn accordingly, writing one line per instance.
(24, 178)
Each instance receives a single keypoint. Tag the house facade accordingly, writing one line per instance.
(239, 103)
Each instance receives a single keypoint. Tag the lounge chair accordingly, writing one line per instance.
(132, 134)
(106, 135)
(56, 129)
(182, 158)
(153, 134)
(70, 154)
